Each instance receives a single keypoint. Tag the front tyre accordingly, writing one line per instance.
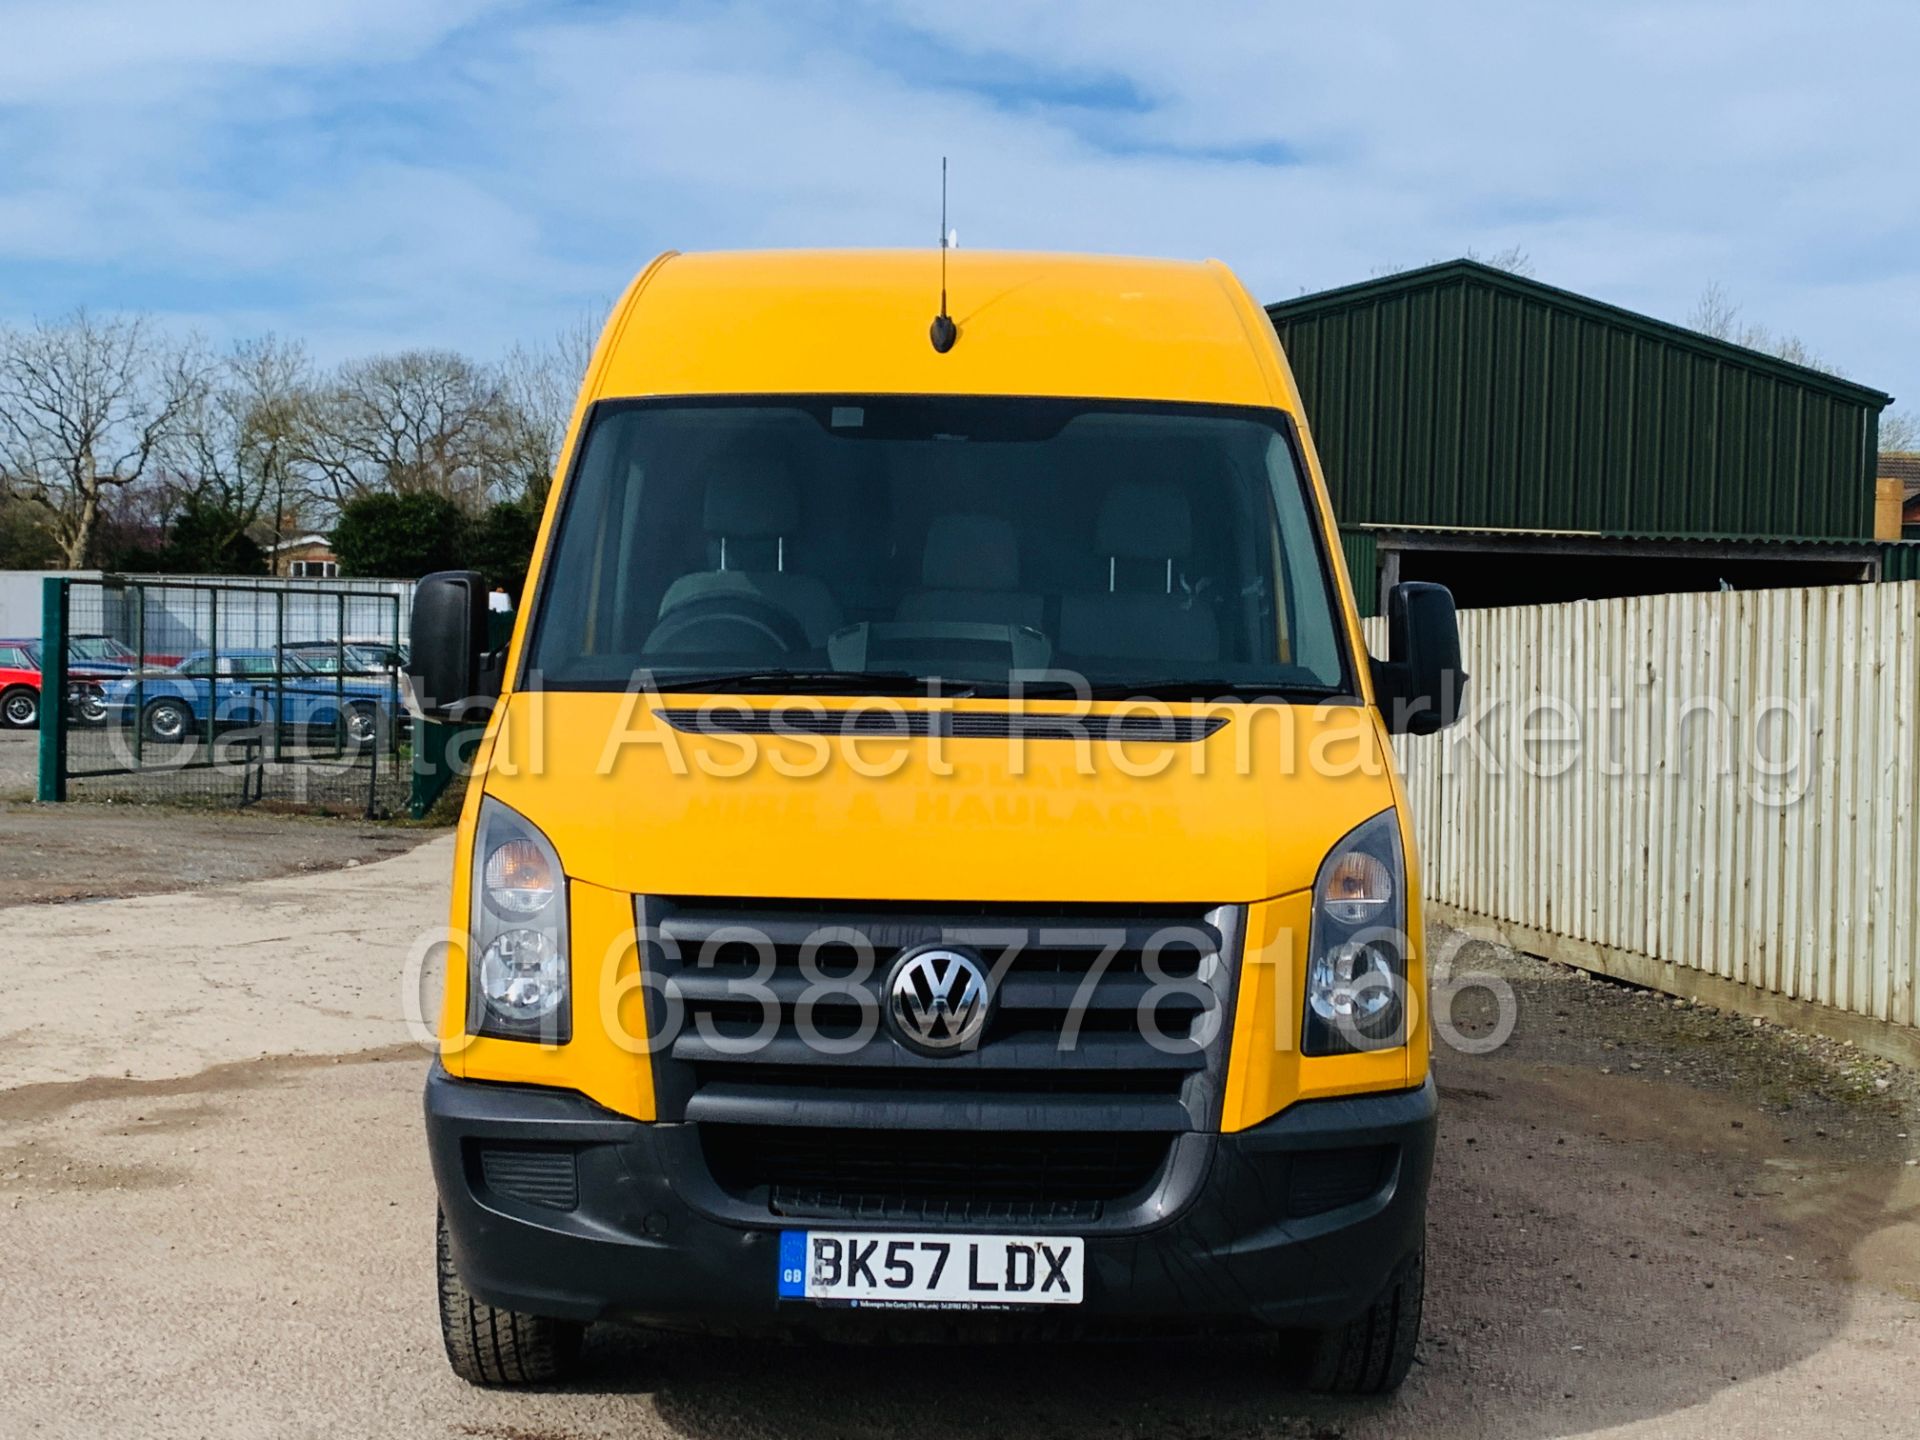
(90, 705)
(490, 1346)
(1371, 1353)
(363, 724)
(169, 721)
(20, 707)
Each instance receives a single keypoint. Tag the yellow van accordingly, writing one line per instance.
(934, 861)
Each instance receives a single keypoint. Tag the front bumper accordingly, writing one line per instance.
(640, 1240)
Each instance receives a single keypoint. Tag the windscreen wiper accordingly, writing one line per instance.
(811, 682)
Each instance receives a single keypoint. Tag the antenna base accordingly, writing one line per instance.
(943, 332)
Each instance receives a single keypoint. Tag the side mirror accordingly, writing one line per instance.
(446, 670)
(1420, 684)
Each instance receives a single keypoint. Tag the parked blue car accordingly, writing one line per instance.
(240, 689)
(100, 655)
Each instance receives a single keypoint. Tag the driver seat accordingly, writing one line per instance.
(751, 509)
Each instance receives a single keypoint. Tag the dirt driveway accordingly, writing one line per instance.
(88, 851)
(1648, 1220)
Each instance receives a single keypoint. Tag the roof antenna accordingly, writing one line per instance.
(944, 331)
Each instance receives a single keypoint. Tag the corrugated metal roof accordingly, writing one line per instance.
(1462, 395)
(1900, 560)
(1367, 290)
(1635, 537)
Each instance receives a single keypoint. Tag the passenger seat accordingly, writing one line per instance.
(1144, 530)
(970, 572)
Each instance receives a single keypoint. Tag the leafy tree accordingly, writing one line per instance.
(399, 536)
(500, 544)
(26, 542)
(207, 538)
(198, 537)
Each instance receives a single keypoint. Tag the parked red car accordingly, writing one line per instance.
(19, 686)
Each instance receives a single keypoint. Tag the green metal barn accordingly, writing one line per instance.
(1522, 443)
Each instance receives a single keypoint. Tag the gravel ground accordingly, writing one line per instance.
(1648, 1220)
(85, 851)
(97, 846)
(19, 764)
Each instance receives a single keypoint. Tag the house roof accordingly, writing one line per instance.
(1450, 271)
(301, 542)
(1901, 465)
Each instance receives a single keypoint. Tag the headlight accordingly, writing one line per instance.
(518, 971)
(1357, 949)
(521, 876)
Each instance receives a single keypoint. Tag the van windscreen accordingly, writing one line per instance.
(871, 544)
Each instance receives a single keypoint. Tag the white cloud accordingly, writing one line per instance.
(82, 53)
(374, 174)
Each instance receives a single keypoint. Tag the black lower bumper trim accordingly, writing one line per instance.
(1301, 1220)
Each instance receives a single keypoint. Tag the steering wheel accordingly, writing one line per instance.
(730, 624)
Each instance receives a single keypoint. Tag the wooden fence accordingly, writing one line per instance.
(1715, 794)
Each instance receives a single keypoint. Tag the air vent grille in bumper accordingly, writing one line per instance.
(543, 1175)
(931, 1176)
(1323, 1180)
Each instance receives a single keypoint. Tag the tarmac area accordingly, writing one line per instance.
(216, 1218)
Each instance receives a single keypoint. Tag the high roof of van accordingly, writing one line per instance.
(856, 322)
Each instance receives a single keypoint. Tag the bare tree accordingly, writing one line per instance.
(1715, 314)
(267, 397)
(420, 420)
(1514, 260)
(540, 383)
(1899, 431)
(238, 441)
(86, 406)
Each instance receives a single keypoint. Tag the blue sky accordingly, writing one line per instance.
(369, 174)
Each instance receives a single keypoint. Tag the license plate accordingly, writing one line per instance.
(916, 1270)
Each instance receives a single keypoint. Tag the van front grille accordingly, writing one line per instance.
(1102, 1018)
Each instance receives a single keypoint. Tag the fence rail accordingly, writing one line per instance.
(1724, 783)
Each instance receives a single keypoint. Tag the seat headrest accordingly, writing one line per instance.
(750, 498)
(970, 552)
(1144, 520)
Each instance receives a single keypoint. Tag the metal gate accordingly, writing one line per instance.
(223, 694)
